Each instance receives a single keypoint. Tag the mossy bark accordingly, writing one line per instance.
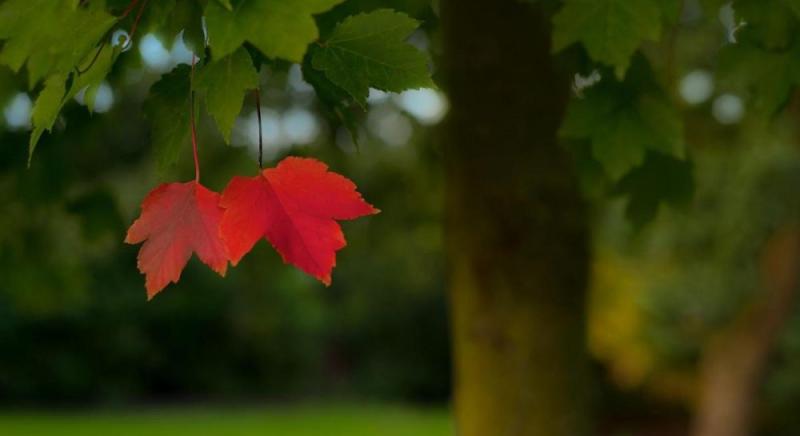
(517, 238)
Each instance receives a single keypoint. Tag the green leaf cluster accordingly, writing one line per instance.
(362, 52)
(622, 122)
(628, 139)
(278, 28)
(64, 47)
(51, 38)
(365, 51)
(612, 30)
(369, 50)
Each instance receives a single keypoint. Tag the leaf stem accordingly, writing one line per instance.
(129, 9)
(260, 137)
(129, 41)
(102, 44)
(193, 127)
(135, 24)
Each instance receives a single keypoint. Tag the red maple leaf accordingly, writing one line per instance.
(177, 219)
(294, 206)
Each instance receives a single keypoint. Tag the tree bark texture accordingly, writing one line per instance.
(517, 235)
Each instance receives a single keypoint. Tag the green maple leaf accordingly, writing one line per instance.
(660, 179)
(94, 69)
(611, 30)
(169, 110)
(56, 93)
(621, 126)
(49, 36)
(45, 110)
(187, 16)
(155, 18)
(224, 83)
(278, 28)
(168, 18)
(335, 101)
(369, 50)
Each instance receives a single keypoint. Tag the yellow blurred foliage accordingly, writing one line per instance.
(615, 329)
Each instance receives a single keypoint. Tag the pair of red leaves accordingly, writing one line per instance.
(294, 206)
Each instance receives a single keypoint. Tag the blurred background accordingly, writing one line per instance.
(270, 350)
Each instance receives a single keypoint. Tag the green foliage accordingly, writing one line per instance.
(771, 24)
(8, 84)
(335, 100)
(46, 109)
(225, 102)
(49, 36)
(710, 258)
(93, 70)
(766, 77)
(660, 179)
(622, 121)
(155, 17)
(671, 11)
(764, 65)
(279, 28)
(56, 92)
(169, 110)
(187, 16)
(611, 30)
(342, 72)
(226, 4)
(64, 43)
(794, 6)
(369, 50)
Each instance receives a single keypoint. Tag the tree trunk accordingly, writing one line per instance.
(517, 241)
(736, 360)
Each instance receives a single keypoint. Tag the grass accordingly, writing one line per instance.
(349, 420)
